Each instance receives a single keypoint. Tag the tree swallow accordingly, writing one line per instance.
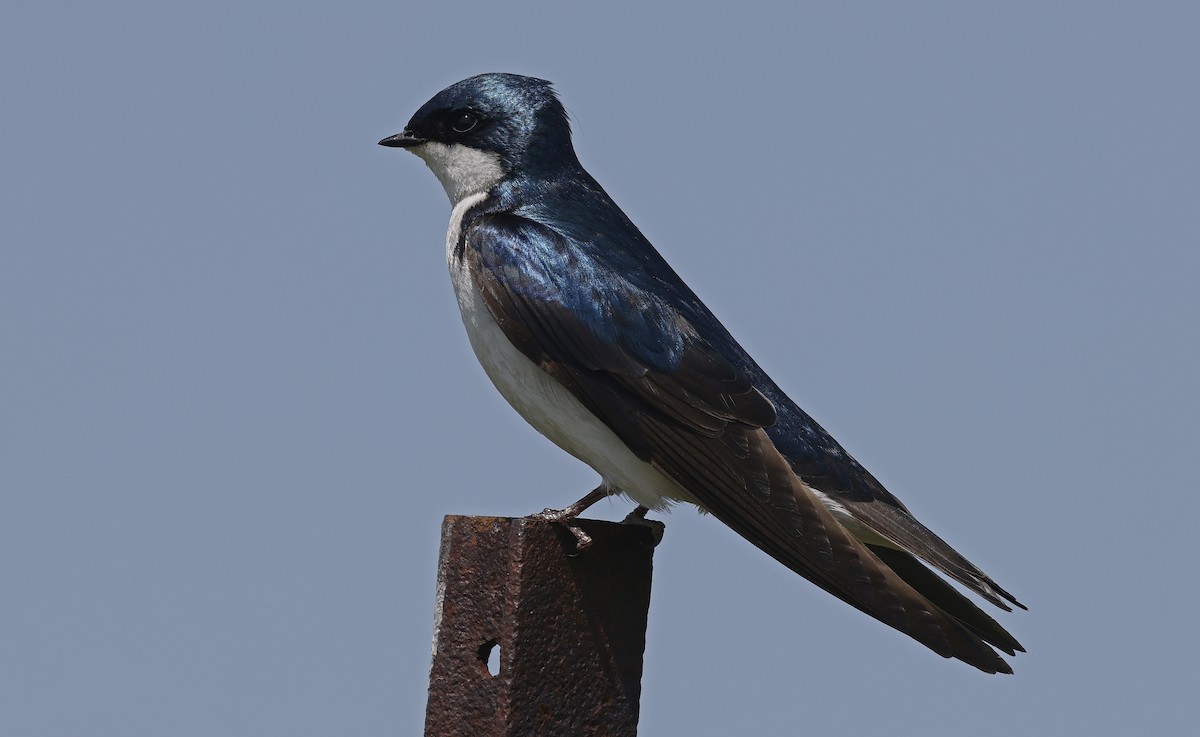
(597, 343)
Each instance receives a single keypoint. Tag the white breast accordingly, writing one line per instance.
(467, 175)
(551, 408)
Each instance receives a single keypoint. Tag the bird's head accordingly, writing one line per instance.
(483, 129)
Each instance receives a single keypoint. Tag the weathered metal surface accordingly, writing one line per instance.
(571, 629)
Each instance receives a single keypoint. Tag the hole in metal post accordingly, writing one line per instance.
(489, 657)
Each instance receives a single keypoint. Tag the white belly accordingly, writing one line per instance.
(553, 410)
(467, 175)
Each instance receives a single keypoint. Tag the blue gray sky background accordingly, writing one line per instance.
(236, 398)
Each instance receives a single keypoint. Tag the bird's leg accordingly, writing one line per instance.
(638, 517)
(583, 541)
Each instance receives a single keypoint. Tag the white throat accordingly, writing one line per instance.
(463, 171)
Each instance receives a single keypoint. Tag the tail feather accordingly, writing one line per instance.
(947, 598)
(907, 534)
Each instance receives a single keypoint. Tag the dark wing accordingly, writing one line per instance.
(682, 406)
(827, 468)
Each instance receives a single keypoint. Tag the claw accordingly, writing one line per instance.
(583, 541)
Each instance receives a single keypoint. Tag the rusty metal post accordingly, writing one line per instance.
(570, 629)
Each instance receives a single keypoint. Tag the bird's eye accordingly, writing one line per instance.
(464, 122)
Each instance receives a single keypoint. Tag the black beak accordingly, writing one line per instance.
(407, 139)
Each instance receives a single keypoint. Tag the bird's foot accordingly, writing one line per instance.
(564, 516)
(583, 541)
(638, 517)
